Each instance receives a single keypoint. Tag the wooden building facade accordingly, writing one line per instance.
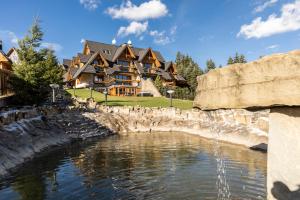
(118, 69)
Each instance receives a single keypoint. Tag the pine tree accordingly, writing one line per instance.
(36, 70)
(210, 65)
(242, 59)
(230, 61)
(236, 58)
(189, 70)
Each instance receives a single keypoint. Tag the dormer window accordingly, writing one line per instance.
(106, 51)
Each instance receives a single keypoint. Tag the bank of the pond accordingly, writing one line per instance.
(28, 131)
(238, 126)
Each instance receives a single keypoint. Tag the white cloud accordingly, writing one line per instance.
(148, 10)
(9, 37)
(53, 46)
(267, 4)
(274, 46)
(134, 28)
(82, 41)
(162, 37)
(289, 20)
(173, 30)
(90, 4)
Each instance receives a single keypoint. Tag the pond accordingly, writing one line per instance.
(140, 166)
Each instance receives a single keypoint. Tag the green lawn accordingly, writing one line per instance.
(132, 101)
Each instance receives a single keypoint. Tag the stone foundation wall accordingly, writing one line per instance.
(236, 126)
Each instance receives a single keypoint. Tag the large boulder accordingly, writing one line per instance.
(270, 81)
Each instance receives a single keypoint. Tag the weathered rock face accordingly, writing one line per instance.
(271, 81)
(283, 155)
(28, 131)
(235, 126)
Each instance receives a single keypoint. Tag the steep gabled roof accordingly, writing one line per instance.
(83, 58)
(120, 50)
(10, 51)
(165, 75)
(98, 46)
(67, 62)
(5, 56)
(87, 67)
(168, 65)
(179, 78)
(73, 70)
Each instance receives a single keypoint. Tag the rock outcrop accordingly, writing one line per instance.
(235, 126)
(270, 81)
(28, 131)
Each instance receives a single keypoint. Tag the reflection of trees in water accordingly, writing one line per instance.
(32, 187)
(157, 151)
(121, 157)
(31, 180)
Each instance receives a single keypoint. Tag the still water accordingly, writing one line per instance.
(139, 166)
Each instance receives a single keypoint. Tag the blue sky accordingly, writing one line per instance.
(201, 28)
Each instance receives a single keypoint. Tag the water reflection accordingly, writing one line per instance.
(139, 166)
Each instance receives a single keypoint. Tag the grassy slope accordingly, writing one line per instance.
(133, 101)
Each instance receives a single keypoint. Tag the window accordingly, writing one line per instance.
(147, 66)
(122, 77)
(95, 62)
(106, 51)
(99, 69)
(98, 79)
(123, 63)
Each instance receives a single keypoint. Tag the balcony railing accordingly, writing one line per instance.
(99, 69)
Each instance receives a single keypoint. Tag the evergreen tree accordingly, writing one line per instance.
(158, 83)
(236, 58)
(210, 65)
(36, 70)
(230, 61)
(189, 70)
(242, 59)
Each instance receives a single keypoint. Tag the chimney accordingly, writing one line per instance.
(1, 45)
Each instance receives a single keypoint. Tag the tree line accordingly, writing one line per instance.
(189, 69)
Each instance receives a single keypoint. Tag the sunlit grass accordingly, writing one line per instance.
(132, 101)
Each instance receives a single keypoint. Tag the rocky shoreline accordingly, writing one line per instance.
(237, 126)
(28, 131)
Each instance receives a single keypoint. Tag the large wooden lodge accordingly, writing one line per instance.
(121, 70)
